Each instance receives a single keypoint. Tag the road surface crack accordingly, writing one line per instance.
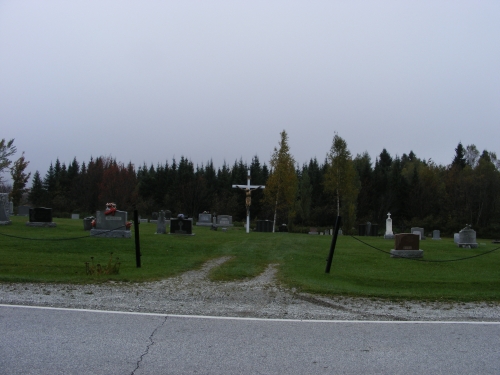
(151, 343)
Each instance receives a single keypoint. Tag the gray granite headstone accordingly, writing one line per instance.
(23, 210)
(418, 229)
(467, 238)
(5, 203)
(224, 221)
(436, 235)
(113, 225)
(161, 224)
(455, 237)
(204, 220)
(75, 216)
(4, 219)
(368, 228)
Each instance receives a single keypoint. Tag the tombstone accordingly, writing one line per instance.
(181, 225)
(6, 204)
(368, 229)
(455, 237)
(339, 232)
(264, 226)
(168, 214)
(420, 230)
(313, 230)
(143, 221)
(436, 235)
(467, 238)
(75, 216)
(87, 222)
(154, 215)
(204, 220)
(161, 223)
(23, 211)
(40, 217)
(224, 221)
(111, 224)
(4, 218)
(389, 234)
(406, 245)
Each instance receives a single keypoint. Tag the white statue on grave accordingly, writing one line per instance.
(388, 227)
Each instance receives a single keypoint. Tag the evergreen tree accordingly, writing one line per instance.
(459, 159)
(37, 193)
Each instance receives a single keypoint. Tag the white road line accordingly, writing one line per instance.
(257, 319)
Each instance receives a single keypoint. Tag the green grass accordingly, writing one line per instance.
(357, 269)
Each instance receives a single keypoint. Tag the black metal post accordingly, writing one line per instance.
(137, 242)
(338, 224)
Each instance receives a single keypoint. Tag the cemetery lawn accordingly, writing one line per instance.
(357, 269)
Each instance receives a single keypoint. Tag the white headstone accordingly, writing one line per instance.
(389, 234)
(436, 235)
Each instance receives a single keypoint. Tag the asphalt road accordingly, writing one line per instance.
(58, 341)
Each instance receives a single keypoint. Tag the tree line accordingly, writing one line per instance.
(417, 192)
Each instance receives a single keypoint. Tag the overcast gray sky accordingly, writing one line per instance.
(148, 81)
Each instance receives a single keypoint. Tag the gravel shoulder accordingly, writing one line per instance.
(192, 293)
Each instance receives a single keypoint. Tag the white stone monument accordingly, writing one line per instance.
(389, 235)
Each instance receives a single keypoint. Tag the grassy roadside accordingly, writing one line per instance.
(357, 270)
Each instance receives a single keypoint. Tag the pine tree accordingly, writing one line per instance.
(37, 192)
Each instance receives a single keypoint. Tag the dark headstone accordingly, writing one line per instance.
(406, 245)
(40, 215)
(406, 241)
(154, 215)
(264, 226)
(181, 226)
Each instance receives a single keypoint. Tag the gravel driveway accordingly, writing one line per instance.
(262, 297)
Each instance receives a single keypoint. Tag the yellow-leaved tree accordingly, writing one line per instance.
(342, 181)
(281, 186)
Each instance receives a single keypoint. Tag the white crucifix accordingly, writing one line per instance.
(248, 192)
